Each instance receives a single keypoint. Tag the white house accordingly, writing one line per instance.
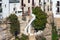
(9, 6)
(46, 5)
(56, 12)
(54, 6)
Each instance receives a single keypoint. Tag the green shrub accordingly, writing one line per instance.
(41, 19)
(14, 25)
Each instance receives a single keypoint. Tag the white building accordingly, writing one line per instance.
(56, 12)
(15, 6)
(9, 6)
(52, 6)
(28, 4)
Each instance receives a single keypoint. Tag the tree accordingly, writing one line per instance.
(41, 19)
(14, 25)
(24, 37)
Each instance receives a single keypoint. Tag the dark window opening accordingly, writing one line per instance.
(5, 5)
(28, 1)
(0, 7)
(57, 9)
(14, 1)
(33, 2)
(14, 8)
(58, 3)
(15, 11)
(48, 8)
(19, 11)
(21, 2)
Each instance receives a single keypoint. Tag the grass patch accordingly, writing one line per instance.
(54, 33)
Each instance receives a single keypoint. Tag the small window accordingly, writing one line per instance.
(28, 1)
(5, 5)
(58, 3)
(57, 9)
(0, 16)
(14, 8)
(33, 2)
(15, 11)
(19, 11)
(14, 1)
(0, 7)
(48, 8)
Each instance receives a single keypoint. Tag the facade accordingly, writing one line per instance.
(8, 6)
(28, 4)
(15, 6)
(56, 12)
(53, 7)
(46, 5)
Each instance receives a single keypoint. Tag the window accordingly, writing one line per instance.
(57, 9)
(19, 11)
(0, 7)
(50, 1)
(33, 2)
(14, 1)
(48, 8)
(21, 2)
(15, 11)
(28, 1)
(14, 8)
(5, 5)
(58, 3)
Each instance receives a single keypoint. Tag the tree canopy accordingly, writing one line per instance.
(14, 25)
(41, 19)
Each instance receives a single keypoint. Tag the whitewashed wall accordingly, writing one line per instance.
(17, 6)
(5, 9)
(54, 9)
(28, 5)
(36, 2)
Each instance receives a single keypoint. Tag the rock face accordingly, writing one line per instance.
(4, 32)
(48, 29)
